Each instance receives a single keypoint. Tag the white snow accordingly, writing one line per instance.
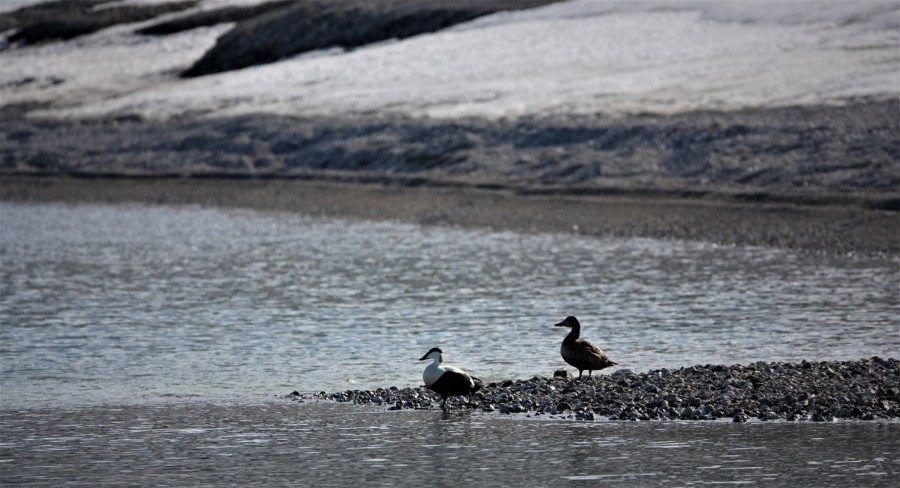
(582, 56)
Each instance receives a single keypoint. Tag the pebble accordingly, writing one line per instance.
(866, 389)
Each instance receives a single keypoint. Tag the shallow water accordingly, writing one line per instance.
(346, 445)
(127, 304)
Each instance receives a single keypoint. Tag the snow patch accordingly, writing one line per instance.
(581, 56)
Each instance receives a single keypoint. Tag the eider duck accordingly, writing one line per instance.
(581, 353)
(447, 381)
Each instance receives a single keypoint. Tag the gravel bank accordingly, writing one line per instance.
(867, 389)
(799, 150)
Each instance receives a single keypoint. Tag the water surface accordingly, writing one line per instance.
(346, 445)
(129, 304)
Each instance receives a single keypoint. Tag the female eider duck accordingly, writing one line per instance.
(447, 381)
(581, 353)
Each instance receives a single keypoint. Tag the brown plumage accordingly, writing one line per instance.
(581, 353)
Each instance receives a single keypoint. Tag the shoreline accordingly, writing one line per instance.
(864, 390)
(818, 222)
(867, 389)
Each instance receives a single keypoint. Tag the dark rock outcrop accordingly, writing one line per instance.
(213, 17)
(309, 25)
(67, 19)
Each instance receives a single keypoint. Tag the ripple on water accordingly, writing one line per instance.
(339, 444)
(140, 303)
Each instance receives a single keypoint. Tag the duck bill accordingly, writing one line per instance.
(562, 324)
(423, 358)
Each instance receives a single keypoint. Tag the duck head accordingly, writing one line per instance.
(434, 354)
(570, 321)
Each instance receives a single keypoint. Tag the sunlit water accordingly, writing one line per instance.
(128, 304)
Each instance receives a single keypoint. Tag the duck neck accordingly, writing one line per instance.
(433, 371)
(436, 362)
(575, 333)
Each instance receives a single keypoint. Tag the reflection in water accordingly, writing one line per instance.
(338, 444)
(134, 303)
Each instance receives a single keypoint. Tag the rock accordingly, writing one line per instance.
(210, 17)
(308, 26)
(54, 21)
(782, 391)
(768, 416)
(564, 374)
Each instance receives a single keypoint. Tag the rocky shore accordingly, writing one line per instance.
(821, 178)
(820, 154)
(867, 389)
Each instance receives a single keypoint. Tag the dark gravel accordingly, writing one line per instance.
(868, 389)
(849, 148)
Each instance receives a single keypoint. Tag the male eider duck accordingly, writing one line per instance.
(582, 354)
(447, 381)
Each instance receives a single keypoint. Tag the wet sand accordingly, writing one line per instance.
(836, 225)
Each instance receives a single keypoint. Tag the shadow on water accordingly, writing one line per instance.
(331, 444)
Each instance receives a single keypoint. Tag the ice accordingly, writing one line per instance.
(581, 56)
